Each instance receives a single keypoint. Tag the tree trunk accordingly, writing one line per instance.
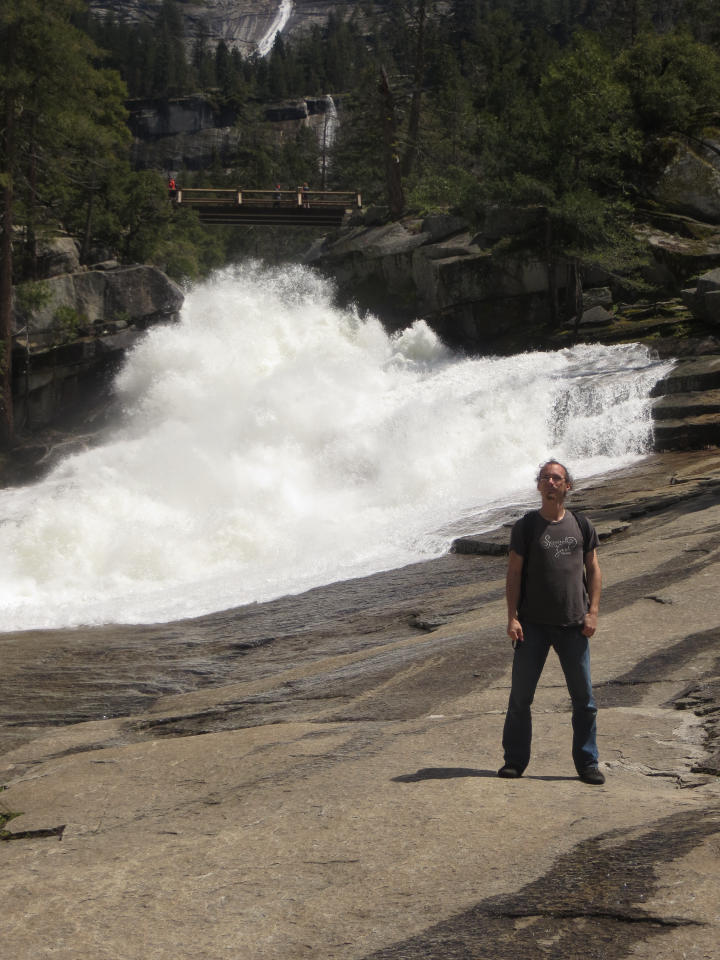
(578, 297)
(7, 431)
(393, 179)
(551, 266)
(30, 258)
(411, 150)
(87, 233)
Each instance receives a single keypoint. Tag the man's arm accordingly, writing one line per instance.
(594, 586)
(513, 581)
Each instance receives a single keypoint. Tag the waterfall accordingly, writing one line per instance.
(265, 43)
(326, 135)
(272, 442)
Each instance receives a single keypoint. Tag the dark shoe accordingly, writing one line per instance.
(592, 775)
(510, 773)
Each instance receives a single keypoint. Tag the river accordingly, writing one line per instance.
(271, 442)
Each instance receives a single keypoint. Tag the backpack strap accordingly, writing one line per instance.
(584, 524)
(526, 529)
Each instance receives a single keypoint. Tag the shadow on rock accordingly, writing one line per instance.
(591, 904)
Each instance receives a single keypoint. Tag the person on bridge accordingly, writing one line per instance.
(172, 187)
(306, 196)
(553, 588)
(278, 195)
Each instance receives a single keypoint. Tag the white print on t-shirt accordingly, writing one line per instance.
(563, 547)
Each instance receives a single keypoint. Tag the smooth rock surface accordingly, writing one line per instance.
(138, 292)
(242, 24)
(316, 777)
(690, 183)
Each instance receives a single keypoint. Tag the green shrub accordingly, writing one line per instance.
(68, 322)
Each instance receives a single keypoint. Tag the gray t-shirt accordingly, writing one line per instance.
(553, 588)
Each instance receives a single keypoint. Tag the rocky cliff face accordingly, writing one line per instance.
(244, 24)
(189, 133)
(690, 182)
(442, 270)
(69, 343)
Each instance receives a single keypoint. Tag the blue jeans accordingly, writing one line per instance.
(573, 650)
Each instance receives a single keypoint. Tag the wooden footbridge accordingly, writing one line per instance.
(290, 208)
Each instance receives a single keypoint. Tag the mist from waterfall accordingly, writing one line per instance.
(272, 442)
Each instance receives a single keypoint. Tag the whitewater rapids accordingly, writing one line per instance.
(272, 442)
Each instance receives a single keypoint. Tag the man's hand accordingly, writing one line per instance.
(513, 582)
(515, 630)
(590, 624)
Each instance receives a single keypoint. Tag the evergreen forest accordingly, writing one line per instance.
(573, 105)
(444, 106)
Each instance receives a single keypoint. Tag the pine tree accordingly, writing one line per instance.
(56, 105)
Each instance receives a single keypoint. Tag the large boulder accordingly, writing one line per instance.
(690, 183)
(436, 269)
(704, 298)
(68, 345)
(134, 295)
(55, 255)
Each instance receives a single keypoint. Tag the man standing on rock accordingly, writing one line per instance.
(553, 594)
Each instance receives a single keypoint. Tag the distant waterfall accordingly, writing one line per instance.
(265, 44)
(326, 136)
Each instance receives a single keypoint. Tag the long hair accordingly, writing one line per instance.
(568, 476)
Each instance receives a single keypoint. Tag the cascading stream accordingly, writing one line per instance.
(326, 136)
(272, 442)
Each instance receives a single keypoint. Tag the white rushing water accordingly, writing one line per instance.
(272, 442)
(282, 15)
(326, 135)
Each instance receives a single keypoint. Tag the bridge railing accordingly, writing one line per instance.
(202, 196)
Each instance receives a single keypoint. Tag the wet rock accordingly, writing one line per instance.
(676, 406)
(493, 544)
(701, 373)
(687, 415)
